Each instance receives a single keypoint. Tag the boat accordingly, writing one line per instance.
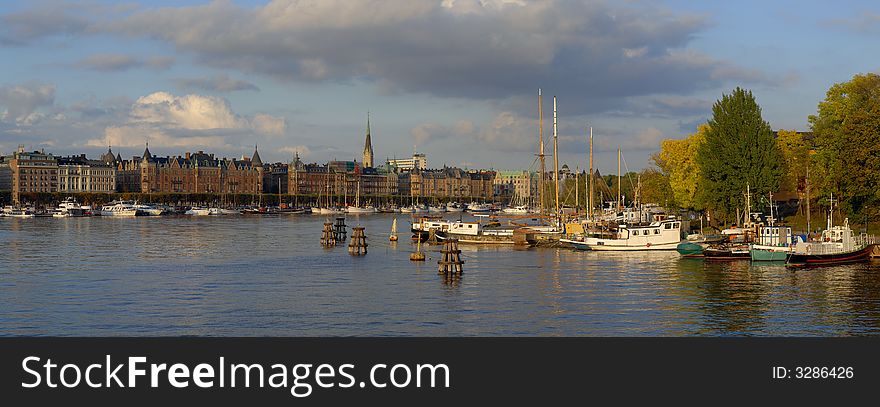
(658, 235)
(479, 208)
(436, 209)
(727, 252)
(454, 207)
(120, 208)
(357, 209)
(18, 212)
(772, 242)
(476, 232)
(151, 209)
(72, 208)
(421, 229)
(393, 236)
(838, 245)
(202, 211)
(516, 209)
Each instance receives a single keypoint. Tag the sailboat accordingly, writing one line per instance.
(357, 208)
(393, 236)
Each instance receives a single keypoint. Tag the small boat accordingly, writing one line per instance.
(393, 236)
(727, 251)
(436, 209)
(516, 209)
(201, 211)
(454, 207)
(774, 243)
(479, 208)
(69, 207)
(690, 249)
(360, 210)
(120, 209)
(19, 213)
(838, 245)
(150, 209)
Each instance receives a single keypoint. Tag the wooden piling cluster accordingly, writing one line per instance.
(328, 237)
(339, 229)
(358, 244)
(450, 263)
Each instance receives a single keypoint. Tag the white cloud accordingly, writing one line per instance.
(167, 120)
(303, 151)
(19, 104)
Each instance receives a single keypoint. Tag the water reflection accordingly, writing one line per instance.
(270, 276)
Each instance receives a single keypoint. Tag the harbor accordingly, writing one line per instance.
(187, 275)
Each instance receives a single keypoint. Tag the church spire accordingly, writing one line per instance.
(368, 146)
(147, 154)
(255, 160)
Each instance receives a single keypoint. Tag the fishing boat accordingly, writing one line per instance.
(658, 235)
(837, 245)
(120, 209)
(393, 236)
(421, 229)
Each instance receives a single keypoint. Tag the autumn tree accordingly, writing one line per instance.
(739, 150)
(847, 143)
(677, 159)
(795, 155)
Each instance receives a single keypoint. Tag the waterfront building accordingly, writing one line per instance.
(192, 173)
(418, 162)
(32, 172)
(78, 174)
(509, 184)
(453, 184)
(5, 173)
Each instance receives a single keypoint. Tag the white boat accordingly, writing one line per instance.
(119, 208)
(224, 211)
(70, 208)
(150, 210)
(436, 209)
(477, 233)
(516, 209)
(658, 235)
(479, 208)
(18, 212)
(357, 209)
(328, 211)
(199, 211)
(361, 210)
(454, 207)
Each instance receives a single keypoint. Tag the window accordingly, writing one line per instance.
(667, 226)
(635, 232)
(656, 231)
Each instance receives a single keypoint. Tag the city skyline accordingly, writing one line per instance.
(456, 80)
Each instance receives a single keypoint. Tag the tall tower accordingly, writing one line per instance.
(368, 147)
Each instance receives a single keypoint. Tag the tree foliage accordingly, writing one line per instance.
(678, 160)
(796, 154)
(739, 150)
(847, 142)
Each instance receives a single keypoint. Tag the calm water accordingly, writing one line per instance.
(269, 276)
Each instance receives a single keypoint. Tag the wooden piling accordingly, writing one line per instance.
(328, 238)
(339, 229)
(450, 262)
(358, 244)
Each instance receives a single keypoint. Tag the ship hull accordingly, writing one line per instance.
(856, 256)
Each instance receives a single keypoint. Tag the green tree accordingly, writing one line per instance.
(795, 154)
(677, 159)
(740, 150)
(656, 188)
(847, 143)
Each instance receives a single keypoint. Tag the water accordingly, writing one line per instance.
(269, 276)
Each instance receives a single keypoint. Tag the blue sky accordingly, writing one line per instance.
(454, 79)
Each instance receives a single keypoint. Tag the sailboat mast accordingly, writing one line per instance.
(541, 149)
(618, 178)
(577, 180)
(808, 198)
(556, 161)
(590, 201)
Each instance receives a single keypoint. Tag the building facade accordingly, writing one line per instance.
(418, 162)
(32, 172)
(79, 174)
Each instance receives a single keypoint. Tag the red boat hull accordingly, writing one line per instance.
(825, 259)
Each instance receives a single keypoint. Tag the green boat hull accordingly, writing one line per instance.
(688, 249)
(767, 255)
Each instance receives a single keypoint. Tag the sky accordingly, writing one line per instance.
(454, 79)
